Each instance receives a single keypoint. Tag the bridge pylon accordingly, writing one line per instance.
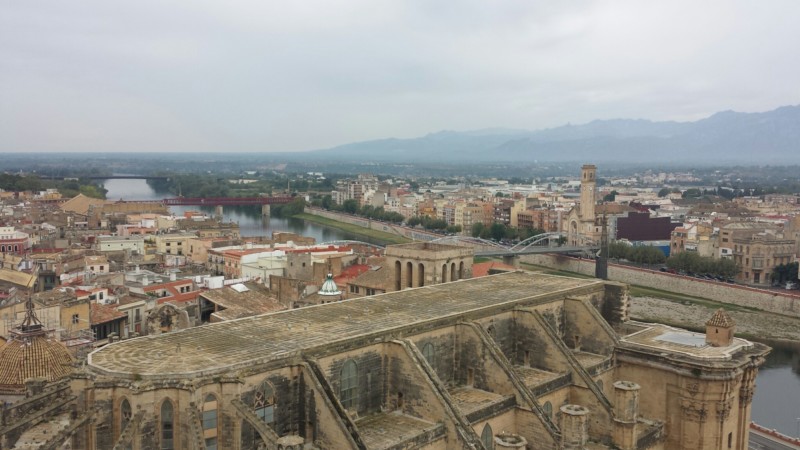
(265, 210)
(218, 211)
(511, 260)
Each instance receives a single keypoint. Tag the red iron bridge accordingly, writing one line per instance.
(219, 202)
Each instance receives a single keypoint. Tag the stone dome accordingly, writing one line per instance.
(30, 353)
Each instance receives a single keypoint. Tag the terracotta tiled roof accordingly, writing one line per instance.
(721, 319)
(105, 313)
(484, 268)
(38, 357)
(80, 204)
(350, 272)
(376, 278)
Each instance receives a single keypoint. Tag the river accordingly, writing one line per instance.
(249, 218)
(775, 405)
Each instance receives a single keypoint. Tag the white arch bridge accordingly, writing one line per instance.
(541, 243)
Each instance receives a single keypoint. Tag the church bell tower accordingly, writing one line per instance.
(588, 191)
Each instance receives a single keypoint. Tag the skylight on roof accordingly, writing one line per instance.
(239, 287)
(683, 338)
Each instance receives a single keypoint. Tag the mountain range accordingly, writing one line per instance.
(728, 137)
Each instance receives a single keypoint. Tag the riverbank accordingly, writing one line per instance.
(690, 312)
(385, 238)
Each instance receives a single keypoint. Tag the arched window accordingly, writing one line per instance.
(487, 437)
(453, 272)
(461, 270)
(348, 391)
(421, 274)
(429, 353)
(548, 410)
(409, 274)
(398, 279)
(210, 422)
(125, 414)
(167, 426)
(265, 403)
(444, 273)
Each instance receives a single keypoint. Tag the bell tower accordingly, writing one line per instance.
(588, 191)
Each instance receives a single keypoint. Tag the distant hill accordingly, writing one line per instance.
(771, 137)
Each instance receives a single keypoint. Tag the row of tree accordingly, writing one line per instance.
(429, 223)
(784, 273)
(351, 207)
(67, 188)
(499, 231)
(642, 254)
(691, 262)
(688, 262)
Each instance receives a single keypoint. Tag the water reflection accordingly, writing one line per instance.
(248, 217)
(777, 399)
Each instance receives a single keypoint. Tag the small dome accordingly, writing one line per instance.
(32, 357)
(329, 287)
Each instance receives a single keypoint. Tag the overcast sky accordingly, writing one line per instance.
(197, 75)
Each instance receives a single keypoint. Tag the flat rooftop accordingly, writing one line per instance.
(672, 340)
(213, 348)
(384, 430)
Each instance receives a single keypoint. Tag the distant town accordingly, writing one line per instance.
(84, 276)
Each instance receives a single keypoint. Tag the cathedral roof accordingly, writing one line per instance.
(721, 319)
(243, 342)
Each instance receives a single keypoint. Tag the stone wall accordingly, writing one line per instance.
(771, 301)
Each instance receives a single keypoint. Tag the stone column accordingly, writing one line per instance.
(265, 210)
(574, 427)
(218, 211)
(626, 409)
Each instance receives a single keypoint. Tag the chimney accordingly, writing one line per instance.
(626, 408)
(574, 427)
(172, 276)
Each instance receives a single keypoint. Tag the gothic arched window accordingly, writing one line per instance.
(429, 353)
(487, 437)
(210, 421)
(348, 392)
(265, 403)
(167, 426)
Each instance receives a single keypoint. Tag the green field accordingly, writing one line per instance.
(384, 238)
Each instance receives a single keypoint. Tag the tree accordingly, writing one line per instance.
(497, 231)
(692, 193)
(618, 250)
(611, 196)
(350, 206)
(664, 192)
(327, 201)
(477, 229)
(453, 228)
